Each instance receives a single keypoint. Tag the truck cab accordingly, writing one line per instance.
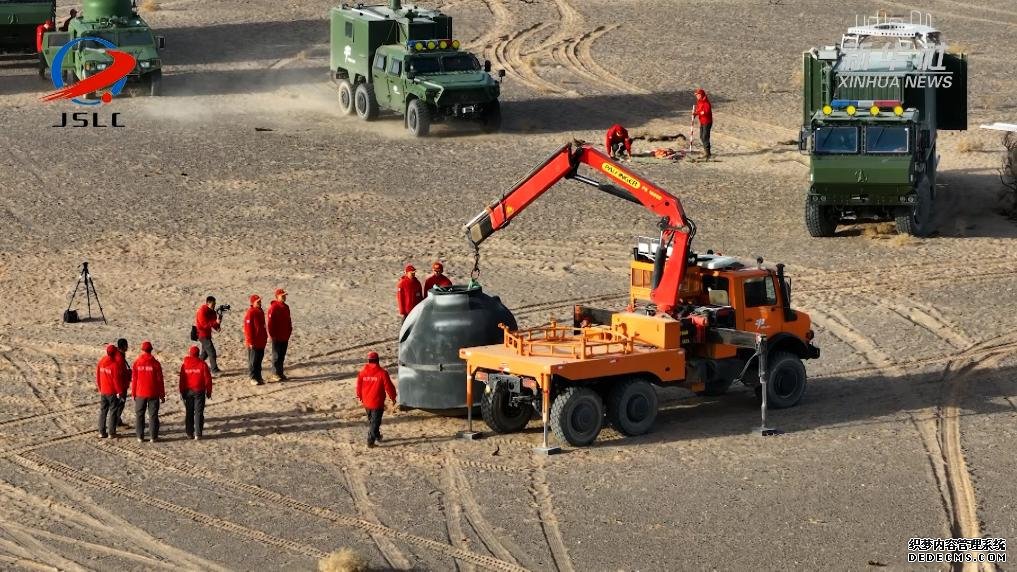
(404, 60)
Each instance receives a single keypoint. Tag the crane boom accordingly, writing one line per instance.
(676, 231)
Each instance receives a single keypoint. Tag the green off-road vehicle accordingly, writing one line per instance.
(118, 22)
(405, 59)
(872, 106)
(19, 20)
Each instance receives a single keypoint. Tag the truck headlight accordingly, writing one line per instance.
(146, 65)
(102, 66)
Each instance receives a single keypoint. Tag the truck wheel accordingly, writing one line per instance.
(577, 415)
(632, 407)
(155, 83)
(418, 118)
(345, 97)
(491, 120)
(365, 102)
(499, 413)
(785, 382)
(821, 221)
(918, 222)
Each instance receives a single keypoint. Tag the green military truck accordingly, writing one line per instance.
(118, 22)
(872, 107)
(19, 20)
(405, 59)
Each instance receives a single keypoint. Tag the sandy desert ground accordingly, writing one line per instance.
(245, 177)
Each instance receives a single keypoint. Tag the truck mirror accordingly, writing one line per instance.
(501, 73)
(487, 66)
(803, 140)
(160, 41)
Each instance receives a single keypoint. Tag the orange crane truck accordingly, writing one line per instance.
(702, 322)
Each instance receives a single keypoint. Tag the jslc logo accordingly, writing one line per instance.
(113, 76)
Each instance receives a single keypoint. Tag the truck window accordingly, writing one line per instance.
(135, 38)
(886, 139)
(395, 67)
(460, 62)
(836, 140)
(379, 62)
(760, 292)
(423, 65)
(716, 290)
(349, 30)
(109, 37)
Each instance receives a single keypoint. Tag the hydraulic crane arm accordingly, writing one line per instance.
(676, 231)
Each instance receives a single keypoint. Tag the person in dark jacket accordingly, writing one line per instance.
(280, 327)
(255, 338)
(107, 381)
(206, 320)
(148, 390)
(195, 387)
(703, 113)
(373, 382)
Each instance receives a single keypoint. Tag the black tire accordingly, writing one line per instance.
(918, 221)
(632, 407)
(821, 221)
(785, 381)
(346, 97)
(500, 415)
(491, 119)
(577, 416)
(365, 102)
(418, 118)
(155, 83)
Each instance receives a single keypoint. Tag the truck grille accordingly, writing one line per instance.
(454, 96)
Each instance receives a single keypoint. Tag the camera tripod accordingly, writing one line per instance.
(71, 316)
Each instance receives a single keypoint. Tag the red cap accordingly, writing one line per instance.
(372, 356)
(700, 91)
(146, 346)
(437, 267)
(279, 291)
(254, 298)
(410, 268)
(111, 350)
(193, 352)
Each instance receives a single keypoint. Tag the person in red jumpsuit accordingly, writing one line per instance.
(408, 292)
(703, 113)
(108, 381)
(255, 338)
(373, 382)
(437, 278)
(195, 387)
(617, 140)
(147, 390)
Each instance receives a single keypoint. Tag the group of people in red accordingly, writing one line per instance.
(409, 292)
(114, 376)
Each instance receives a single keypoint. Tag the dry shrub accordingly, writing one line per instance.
(150, 6)
(880, 230)
(1008, 176)
(970, 145)
(343, 560)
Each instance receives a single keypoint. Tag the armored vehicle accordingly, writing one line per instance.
(19, 20)
(117, 22)
(405, 59)
(872, 106)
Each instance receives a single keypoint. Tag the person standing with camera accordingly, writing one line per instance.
(255, 338)
(205, 321)
(279, 329)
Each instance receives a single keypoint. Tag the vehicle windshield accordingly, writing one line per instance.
(135, 38)
(886, 139)
(108, 36)
(423, 65)
(836, 140)
(460, 63)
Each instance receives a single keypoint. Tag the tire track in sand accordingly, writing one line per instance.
(161, 461)
(541, 492)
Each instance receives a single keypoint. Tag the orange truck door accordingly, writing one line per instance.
(761, 311)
